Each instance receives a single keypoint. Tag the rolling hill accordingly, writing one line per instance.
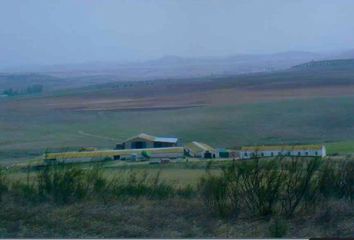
(327, 65)
(310, 103)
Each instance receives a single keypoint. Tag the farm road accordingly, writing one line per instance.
(96, 136)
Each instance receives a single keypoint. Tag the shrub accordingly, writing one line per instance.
(62, 183)
(214, 192)
(299, 183)
(3, 183)
(65, 183)
(186, 192)
(260, 185)
(278, 228)
(263, 187)
(329, 180)
(253, 184)
(24, 191)
(95, 178)
(347, 181)
(138, 184)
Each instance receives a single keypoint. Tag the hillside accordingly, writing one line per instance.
(327, 65)
(311, 74)
(226, 72)
(313, 79)
(50, 82)
(25, 79)
(277, 107)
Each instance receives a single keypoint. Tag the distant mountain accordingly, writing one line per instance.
(277, 60)
(172, 67)
(180, 67)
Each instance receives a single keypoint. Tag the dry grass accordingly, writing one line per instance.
(172, 218)
(128, 210)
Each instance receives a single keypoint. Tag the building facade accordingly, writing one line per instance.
(143, 141)
(273, 151)
(124, 154)
(200, 150)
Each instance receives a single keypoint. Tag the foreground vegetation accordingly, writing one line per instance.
(256, 198)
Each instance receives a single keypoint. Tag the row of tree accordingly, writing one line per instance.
(33, 89)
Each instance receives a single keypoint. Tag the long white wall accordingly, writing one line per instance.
(274, 153)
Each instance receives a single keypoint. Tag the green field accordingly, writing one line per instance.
(345, 147)
(26, 134)
(310, 104)
(180, 173)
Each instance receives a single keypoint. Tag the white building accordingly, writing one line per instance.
(200, 150)
(285, 150)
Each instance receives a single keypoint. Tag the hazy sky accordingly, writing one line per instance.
(72, 31)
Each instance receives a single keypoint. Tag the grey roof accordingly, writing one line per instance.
(155, 139)
(165, 139)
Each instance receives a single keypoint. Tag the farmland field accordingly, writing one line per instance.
(301, 105)
(26, 134)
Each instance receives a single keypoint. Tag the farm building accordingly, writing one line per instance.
(125, 154)
(286, 150)
(147, 141)
(200, 150)
(222, 153)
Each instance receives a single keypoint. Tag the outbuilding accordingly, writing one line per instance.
(123, 154)
(283, 150)
(222, 153)
(200, 150)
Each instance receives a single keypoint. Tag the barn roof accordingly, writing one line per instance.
(154, 139)
(199, 147)
(282, 148)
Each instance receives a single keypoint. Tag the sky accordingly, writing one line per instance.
(42, 32)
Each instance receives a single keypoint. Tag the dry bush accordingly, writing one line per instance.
(141, 184)
(3, 183)
(278, 228)
(259, 184)
(299, 184)
(348, 180)
(263, 187)
(329, 180)
(215, 193)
